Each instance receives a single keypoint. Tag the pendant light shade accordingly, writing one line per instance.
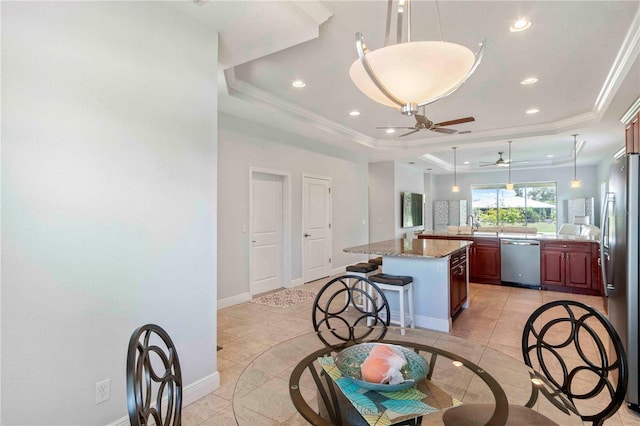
(455, 187)
(509, 184)
(575, 183)
(411, 74)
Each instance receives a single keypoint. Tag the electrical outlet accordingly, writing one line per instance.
(102, 390)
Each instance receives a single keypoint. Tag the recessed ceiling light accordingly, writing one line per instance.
(354, 113)
(550, 156)
(298, 84)
(532, 111)
(529, 80)
(391, 130)
(466, 162)
(520, 25)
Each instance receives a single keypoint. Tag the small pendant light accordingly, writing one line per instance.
(575, 183)
(455, 187)
(509, 184)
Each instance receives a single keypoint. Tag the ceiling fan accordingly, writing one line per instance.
(423, 123)
(500, 162)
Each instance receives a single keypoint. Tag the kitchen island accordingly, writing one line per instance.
(440, 276)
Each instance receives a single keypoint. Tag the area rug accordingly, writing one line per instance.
(285, 298)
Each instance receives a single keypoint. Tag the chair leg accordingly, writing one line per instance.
(412, 317)
(369, 304)
(402, 312)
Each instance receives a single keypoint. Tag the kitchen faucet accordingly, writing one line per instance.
(470, 222)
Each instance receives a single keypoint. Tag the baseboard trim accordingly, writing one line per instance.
(234, 300)
(433, 323)
(190, 394)
(296, 282)
(341, 270)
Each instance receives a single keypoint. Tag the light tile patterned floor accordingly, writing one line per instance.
(495, 318)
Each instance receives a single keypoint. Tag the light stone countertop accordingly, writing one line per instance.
(514, 235)
(405, 247)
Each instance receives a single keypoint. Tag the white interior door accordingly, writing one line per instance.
(316, 220)
(266, 233)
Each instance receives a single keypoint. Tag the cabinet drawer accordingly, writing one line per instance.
(581, 247)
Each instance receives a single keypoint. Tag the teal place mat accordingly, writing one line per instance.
(386, 408)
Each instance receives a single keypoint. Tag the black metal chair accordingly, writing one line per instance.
(574, 326)
(346, 305)
(561, 341)
(154, 378)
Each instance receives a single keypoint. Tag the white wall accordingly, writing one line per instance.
(242, 147)
(562, 175)
(108, 200)
(429, 189)
(387, 180)
(382, 204)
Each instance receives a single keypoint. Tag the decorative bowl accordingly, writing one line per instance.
(350, 359)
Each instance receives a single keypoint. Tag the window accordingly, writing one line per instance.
(528, 204)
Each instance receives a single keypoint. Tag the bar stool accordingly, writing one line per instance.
(376, 261)
(403, 285)
(362, 269)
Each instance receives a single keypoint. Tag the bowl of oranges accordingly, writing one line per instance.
(382, 367)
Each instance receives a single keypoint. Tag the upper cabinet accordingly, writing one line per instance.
(632, 130)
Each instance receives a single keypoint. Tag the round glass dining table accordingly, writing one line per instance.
(285, 385)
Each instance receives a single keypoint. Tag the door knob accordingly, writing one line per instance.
(307, 235)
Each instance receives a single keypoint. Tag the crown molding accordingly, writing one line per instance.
(627, 54)
(248, 92)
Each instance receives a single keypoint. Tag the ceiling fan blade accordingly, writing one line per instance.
(416, 130)
(385, 128)
(422, 120)
(447, 131)
(456, 121)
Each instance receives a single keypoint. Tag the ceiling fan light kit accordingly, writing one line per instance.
(411, 74)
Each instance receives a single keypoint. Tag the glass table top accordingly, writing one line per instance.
(466, 371)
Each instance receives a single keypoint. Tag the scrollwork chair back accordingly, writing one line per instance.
(154, 378)
(562, 340)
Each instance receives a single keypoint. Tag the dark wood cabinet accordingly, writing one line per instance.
(484, 263)
(632, 135)
(457, 281)
(484, 257)
(569, 266)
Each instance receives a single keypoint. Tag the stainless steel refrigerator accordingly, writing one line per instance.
(620, 259)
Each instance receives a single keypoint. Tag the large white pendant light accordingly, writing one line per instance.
(455, 187)
(509, 184)
(575, 183)
(412, 74)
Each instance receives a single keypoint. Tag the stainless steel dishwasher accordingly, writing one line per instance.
(520, 262)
